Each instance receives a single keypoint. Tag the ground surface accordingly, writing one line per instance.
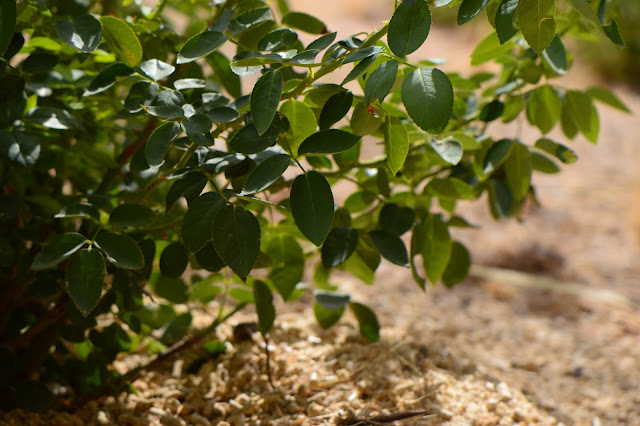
(484, 353)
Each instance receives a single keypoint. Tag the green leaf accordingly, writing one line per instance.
(224, 75)
(490, 48)
(156, 70)
(358, 69)
(208, 258)
(544, 108)
(583, 113)
(390, 247)
(396, 143)
(367, 320)
(491, 111)
(265, 98)
(322, 42)
(360, 54)
(107, 78)
(53, 118)
(174, 260)
(312, 206)
(302, 122)
(287, 263)
(85, 274)
(607, 97)
(39, 62)
(266, 173)
(543, 164)
(458, 267)
(143, 93)
(496, 155)
(335, 108)
(159, 142)
(264, 306)
(409, 27)
(437, 248)
(561, 152)
(200, 45)
(613, 33)
(122, 40)
(304, 22)
(222, 114)
(396, 219)
(176, 329)
(427, 94)
(83, 34)
(120, 250)
(450, 188)
(58, 249)
(20, 147)
(236, 236)
(7, 23)
(339, 245)
(364, 122)
(85, 210)
(518, 170)
(197, 228)
(381, 81)
(306, 58)
(326, 317)
(450, 150)
(131, 215)
(32, 395)
(168, 112)
(583, 7)
(536, 18)
(249, 19)
(198, 128)
(556, 56)
(328, 142)
(331, 299)
(248, 141)
(469, 9)
(188, 186)
(504, 20)
(278, 39)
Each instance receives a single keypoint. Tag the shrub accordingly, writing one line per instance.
(145, 178)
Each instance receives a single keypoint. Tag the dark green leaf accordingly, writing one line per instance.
(236, 236)
(396, 219)
(120, 250)
(189, 83)
(369, 326)
(131, 215)
(339, 245)
(107, 78)
(304, 22)
(561, 152)
(518, 170)
(223, 114)
(176, 329)
(39, 62)
(168, 112)
(20, 147)
(458, 267)
(265, 98)
(437, 248)
(312, 206)
(543, 108)
(266, 173)
(390, 247)
(287, 259)
(198, 128)
(200, 45)
(58, 249)
(278, 39)
(556, 56)
(450, 150)
(172, 289)
(83, 34)
(543, 164)
(197, 228)
(264, 307)
(53, 118)
(427, 95)
(331, 299)
(326, 317)
(7, 23)
(85, 274)
(613, 33)
(504, 20)
(335, 108)
(396, 143)
(381, 81)
(496, 155)
(248, 141)
(322, 42)
(85, 210)
(491, 111)
(188, 185)
(156, 70)
(122, 40)
(501, 199)
(141, 93)
(12, 88)
(251, 18)
(469, 9)
(328, 142)
(224, 75)
(360, 54)
(174, 260)
(306, 58)
(358, 69)
(409, 27)
(536, 18)
(159, 142)
(450, 188)
(208, 258)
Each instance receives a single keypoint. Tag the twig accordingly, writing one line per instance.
(382, 419)
(268, 366)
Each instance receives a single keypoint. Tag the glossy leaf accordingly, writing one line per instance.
(469, 9)
(122, 40)
(450, 150)
(543, 164)
(156, 69)
(496, 155)
(409, 27)
(200, 45)
(561, 152)
(367, 320)
(335, 109)
(143, 93)
(332, 299)
(266, 173)
(339, 245)
(248, 141)
(265, 98)
(278, 39)
(208, 258)
(264, 306)
(537, 22)
(364, 121)
(20, 147)
(107, 78)
(224, 75)
(427, 94)
(312, 206)
(304, 22)
(236, 237)
(159, 142)
(322, 42)
(120, 250)
(198, 128)
(174, 260)
(188, 185)
(83, 34)
(396, 143)
(197, 228)
(249, 19)
(504, 20)
(390, 247)
(58, 249)
(326, 317)
(328, 142)
(85, 275)
(364, 53)
(381, 81)
(358, 70)
(437, 248)
(85, 210)
(556, 56)
(543, 108)
(131, 215)
(458, 267)
(396, 219)
(287, 260)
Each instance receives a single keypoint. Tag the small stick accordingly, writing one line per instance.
(268, 366)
